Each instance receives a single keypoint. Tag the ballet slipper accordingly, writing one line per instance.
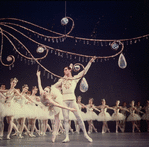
(53, 138)
(116, 131)
(8, 137)
(88, 138)
(20, 136)
(89, 132)
(65, 140)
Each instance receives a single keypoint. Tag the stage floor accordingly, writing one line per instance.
(78, 140)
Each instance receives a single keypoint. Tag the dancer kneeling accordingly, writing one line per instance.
(52, 98)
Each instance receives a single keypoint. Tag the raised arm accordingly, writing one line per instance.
(39, 82)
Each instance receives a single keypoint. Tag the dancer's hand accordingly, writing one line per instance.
(73, 109)
(93, 59)
(38, 73)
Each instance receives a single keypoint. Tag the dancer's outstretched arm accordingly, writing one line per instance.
(51, 101)
(39, 82)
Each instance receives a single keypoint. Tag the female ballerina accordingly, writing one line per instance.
(51, 97)
(123, 111)
(117, 116)
(91, 115)
(84, 116)
(146, 115)
(2, 102)
(133, 117)
(104, 116)
(21, 99)
(11, 107)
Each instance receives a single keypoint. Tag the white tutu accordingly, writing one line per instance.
(133, 117)
(12, 109)
(104, 116)
(72, 116)
(145, 116)
(91, 115)
(118, 116)
(2, 108)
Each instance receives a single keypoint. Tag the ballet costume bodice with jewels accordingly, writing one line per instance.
(91, 115)
(104, 115)
(146, 115)
(68, 85)
(116, 116)
(133, 116)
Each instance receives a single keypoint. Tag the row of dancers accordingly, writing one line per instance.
(57, 103)
(89, 116)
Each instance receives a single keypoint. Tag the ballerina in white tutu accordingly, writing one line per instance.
(123, 111)
(133, 117)
(146, 115)
(91, 115)
(2, 101)
(52, 98)
(117, 116)
(84, 116)
(11, 108)
(104, 116)
(21, 99)
(139, 107)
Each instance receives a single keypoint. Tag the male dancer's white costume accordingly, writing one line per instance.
(69, 100)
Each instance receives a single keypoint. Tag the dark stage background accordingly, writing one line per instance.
(109, 20)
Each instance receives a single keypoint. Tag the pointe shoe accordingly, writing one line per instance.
(65, 140)
(20, 136)
(89, 132)
(88, 138)
(8, 137)
(53, 138)
(103, 132)
(116, 131)
(1, 138)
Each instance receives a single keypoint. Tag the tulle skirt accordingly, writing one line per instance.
(72, 116)
(133, 117)
(104, 116)
(90, 115)
(145, 116)
(83, 115)
(2, 108)
(118, 116)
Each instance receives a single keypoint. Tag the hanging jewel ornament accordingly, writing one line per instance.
(64, 21)
(83, 85)
(122, 61)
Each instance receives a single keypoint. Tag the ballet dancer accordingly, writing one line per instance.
(139, 107)
(67, 85)
(117, 116)
(123, 111)
(2, 102)
(104, 116)
(11, 107)
(146, 115)
(84, 116)
(51, 97)
(133, 117)
(91, 115)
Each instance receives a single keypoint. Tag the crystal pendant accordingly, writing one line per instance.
(122, 61)
(83, 85)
